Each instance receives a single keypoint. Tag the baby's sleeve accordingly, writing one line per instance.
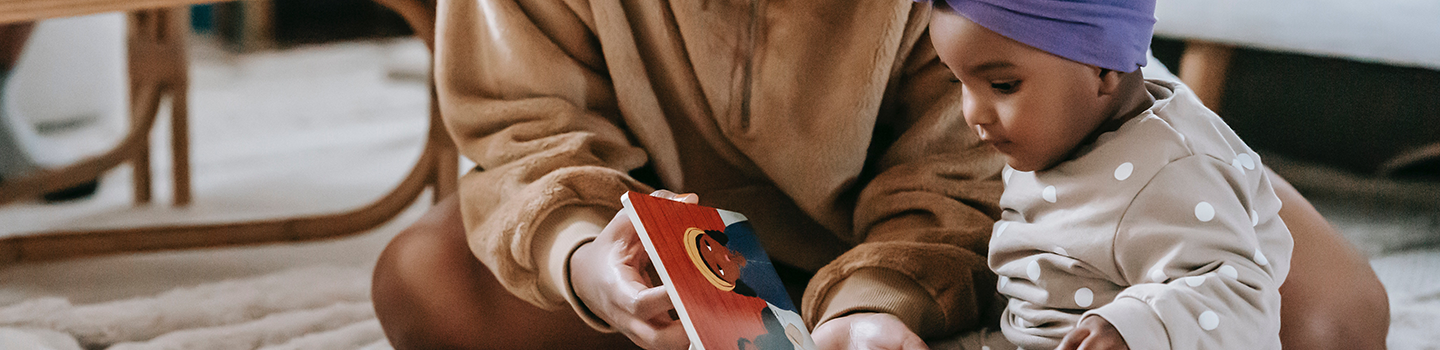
(1204, 254)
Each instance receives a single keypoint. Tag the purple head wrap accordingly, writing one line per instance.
(1110, 34)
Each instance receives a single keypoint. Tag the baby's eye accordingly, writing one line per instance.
(955, 80)
(1005, 87)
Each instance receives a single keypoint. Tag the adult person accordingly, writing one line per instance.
(831, 124)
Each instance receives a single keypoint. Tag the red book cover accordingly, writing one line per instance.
(722, 283)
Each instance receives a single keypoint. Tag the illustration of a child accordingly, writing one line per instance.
(1133, 215)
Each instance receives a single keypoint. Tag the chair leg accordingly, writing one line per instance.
(180, 143)
(146, 91)
(172, 36)
(141, 167)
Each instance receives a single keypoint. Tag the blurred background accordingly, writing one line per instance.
(309, 107)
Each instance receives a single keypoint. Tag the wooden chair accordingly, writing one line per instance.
(158, 67)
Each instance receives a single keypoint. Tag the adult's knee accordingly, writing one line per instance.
(1332, 298)
(419, 279)
(435, 242)
(1349, 311)
(430, 292)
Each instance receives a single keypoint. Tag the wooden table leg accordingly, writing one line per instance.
(140, 165)
(180, 144)
(179, 89)
(143, 40)
(1203, 67)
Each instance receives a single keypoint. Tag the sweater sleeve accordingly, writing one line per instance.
(923, 220)
(522, 90)
(1204, 269)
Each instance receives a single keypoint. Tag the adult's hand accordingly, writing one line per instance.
(866, 331)
(608, 275)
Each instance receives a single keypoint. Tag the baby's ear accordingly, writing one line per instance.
(1110, 81)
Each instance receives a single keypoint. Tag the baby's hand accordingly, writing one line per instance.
(1093, 333)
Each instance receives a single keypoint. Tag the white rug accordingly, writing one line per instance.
(1414, 290)
(319, 307)
(328, 307)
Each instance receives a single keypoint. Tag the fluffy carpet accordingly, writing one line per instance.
(1414, 290)
(319, 307)
(328, 307)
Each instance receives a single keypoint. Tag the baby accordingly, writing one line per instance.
(1133, 216)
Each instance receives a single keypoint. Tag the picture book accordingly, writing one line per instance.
(724, 288)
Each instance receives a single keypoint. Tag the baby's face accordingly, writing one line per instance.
(1032, 106)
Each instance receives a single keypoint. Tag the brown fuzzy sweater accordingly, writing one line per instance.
(831, 124)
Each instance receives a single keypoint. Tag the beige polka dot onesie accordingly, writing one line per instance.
(1167, 228)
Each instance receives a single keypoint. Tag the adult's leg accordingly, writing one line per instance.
(1331, 299)
(430, 292)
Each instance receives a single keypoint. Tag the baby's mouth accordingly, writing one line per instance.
(1002, 146)
(993, 140)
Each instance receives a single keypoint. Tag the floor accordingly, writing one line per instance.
(325, 128)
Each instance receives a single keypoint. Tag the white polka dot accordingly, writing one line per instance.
(1209, 320)
(1236, 163)
(982, 347)
(1004, 281)
(1229, 271)
(1260, 258)
(1123, 171)
(1033, 270)
(1204, 212)
(1157, 275)
(1246, 160)
(1005, 174)
(1061, 251)
(1194, 281)
(1049, 194)
(1254, 218)
(1084, 297)
(1001, 229)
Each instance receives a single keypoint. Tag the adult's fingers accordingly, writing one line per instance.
(619, 226)
(915, 343)
(672, 337)
(666, 336)
(686, 197)
(652, 302)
